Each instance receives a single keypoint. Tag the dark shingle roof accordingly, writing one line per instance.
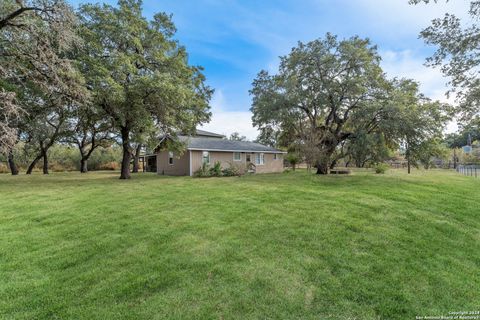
(203, 133)
(215, 144)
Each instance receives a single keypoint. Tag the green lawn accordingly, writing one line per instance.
(280, 246)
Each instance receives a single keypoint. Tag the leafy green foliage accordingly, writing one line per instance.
(458, 56)
(469, 132)
(140, 74)
(381, 168)
(36, 66)
(417, 122)
(321, 90)
(367, 148)
(216, 169)
(67, 158)
(293, 159)
(231, 171)
(430, 150)
(203, 171)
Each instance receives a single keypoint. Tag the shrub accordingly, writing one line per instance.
(216, 170)
(203, 172)
(4, 168)
(231, 171)
(293, 159)
(112, 165)
(61, 167)
(102, 156)
(381, 168)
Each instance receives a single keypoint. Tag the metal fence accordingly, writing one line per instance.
(469, 170)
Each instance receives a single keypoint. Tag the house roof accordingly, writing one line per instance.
(203, 133)
(215, 144)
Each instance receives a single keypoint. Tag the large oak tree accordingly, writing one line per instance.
(139, 74)
(38, 81)
(320, 89)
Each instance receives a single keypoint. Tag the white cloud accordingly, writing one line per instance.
(407, 64)
(226, 122)
(399, 17)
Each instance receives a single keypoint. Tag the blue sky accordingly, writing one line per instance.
(235, 39)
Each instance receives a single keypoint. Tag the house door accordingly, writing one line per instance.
(250, 165)
(152, 164)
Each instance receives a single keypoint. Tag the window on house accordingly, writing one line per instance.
(206, 157)
(259, 158)
(248, 158)
(275, 156)
(237, 156)
(170, 157)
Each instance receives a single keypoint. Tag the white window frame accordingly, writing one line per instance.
(170, 158)
(239, 156)
(207, 156)
(259, 159)
(275, 156)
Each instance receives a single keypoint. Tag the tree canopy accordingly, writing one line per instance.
(39, 81)
(323, 89)
(458, 56)
(417, 123)
(330, 100)
(106, 74)
(139, 74)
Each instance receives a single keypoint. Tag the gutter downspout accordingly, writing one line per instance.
(190, 162)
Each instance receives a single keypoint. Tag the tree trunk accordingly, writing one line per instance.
(322, 168)
(358, 163)
(323, 164)
(333, 164)
(125, 171)
(136, 158)
(33, 164)
(407, 155)
(12, 164)
(364, 163)
(83, 165)
(45, 162)
(454, 159)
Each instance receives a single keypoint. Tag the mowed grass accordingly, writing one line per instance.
(276, 246)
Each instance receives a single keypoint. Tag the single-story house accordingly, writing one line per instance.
(208, 147)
